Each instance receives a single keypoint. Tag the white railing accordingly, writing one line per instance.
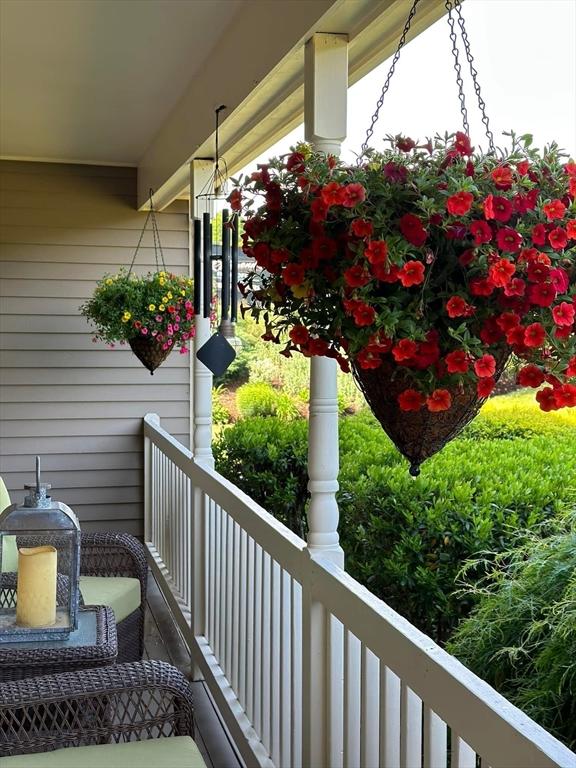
(307, 667)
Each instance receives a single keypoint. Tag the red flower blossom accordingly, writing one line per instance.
(332, 194)
(500, 272)
(502, 177)
(235, 200)
(404, 350)
(412, 273)
(485, 387)
(324, 248)
(405, 144)
(293, 274)
(376, 251)
(571, 370)
(571, 229)
(534, 335)
(462, 144)
(364, 314)
(547, 399)
(572, 187)
(560, 279)
(439, 400)
(457, 361)
(319, 209)
(542, 294)
(554, 210)
(295, 163)
(522, 167)
(299, 334)
(385, 273)
(539, 234)
(353, 195)
(369, 358)
(530, 376)
(508, 240)
(460, 203)
(564, 313)
(557, 238)
(467, 257)
(502, 209)
(490, 333)
(361, 228)
(357, 276)
(570, 168)
(412, 229)
(485, 366)
(411, 400)
(481, 287)
(481, 232)
(516, 287)
(395, 172)
(456, 306)
(507, 321)
(515, 336)
(488, 206)
(565, 396)
(538, 272)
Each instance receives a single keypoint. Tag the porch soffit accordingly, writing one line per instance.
(257, 70)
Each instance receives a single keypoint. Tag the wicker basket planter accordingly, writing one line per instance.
(150, 352)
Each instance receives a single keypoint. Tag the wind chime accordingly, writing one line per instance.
(217, 353)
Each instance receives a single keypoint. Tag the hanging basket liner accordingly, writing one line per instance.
(149, 352)
(418, 435)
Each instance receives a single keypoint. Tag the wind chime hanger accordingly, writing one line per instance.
(215, 187)
(155, 234)
(450, 6)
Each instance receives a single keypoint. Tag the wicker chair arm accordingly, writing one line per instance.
(96, 706)
(112, 554)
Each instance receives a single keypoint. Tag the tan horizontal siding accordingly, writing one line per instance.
(76, 403)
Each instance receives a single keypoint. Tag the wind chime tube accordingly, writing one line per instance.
(207, 242)
(234, 281)
(225, 265)
(197, 264)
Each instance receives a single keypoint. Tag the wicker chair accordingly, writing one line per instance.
(111, 705)
(119, 554)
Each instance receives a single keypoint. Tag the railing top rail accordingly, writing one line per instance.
(501, 733)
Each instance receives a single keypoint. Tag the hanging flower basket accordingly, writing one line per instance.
(154, 314)
(423, 268)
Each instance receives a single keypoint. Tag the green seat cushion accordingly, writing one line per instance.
(4, 496)
(9, 554)
(172, 752)
(121, 593)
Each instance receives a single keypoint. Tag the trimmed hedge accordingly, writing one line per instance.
(260, 399)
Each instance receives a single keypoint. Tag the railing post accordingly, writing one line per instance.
(325, 98)
(152, 418)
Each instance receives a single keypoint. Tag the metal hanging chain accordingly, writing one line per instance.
(458, 69)
(156, 235)
(386, 85)
(474, 75)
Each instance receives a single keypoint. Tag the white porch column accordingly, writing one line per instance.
(201, 377)
(325, 98)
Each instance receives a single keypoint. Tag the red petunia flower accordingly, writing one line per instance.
(376, 251)
(462, 144)
(485, 366)
(485, 387)
(364, 314)
(571, 229)
(481, 232)
(500, 272)
(235, 200)
(405, 143)
(530, 376)
(385, 273)
(547, 399)
(404, 350)
(502, 177)
(412, 273)
(560, 279)
(411, 400)
(516, 287)
(522, 167)
(534, 335)
(467, 257)
(439, 400)
(295, 163)
(332, 194)
(508, 240)
(558, 238)
(456, 306)
(490, 333)
(538, 272)
(515, 336)
(564, 313)
(299, 334)
(412, 229)
(319, 209)
(554, 210)
(565, 396)
(502, 209)
(541, 294)
(570, 168)
(357, 276)
(293, 274)
(460, 203)
(457, 361)
(481, 287)
(571, 370)
(353, 195)
(488, 206)
(539, 234)
(361, 228)
(368, 358)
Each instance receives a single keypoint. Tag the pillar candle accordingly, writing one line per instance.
(36, 590)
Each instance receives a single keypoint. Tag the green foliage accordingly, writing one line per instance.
(521, 637)
(238, 371)
(266, 458)
(260, 399)
(220, 414)
(127, 305)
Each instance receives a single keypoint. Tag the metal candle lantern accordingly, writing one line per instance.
(39, 568)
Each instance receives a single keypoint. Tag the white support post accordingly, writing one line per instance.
(325, 99)
(201, 379)
(148, 480)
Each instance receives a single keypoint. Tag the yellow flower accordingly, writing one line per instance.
(169, 295)
(109, 281)
(161, 307)
(189, 281)
(162, 274)
(164, 299)
(127, 314)
(161, 280)
(151, 307)
(182, 293)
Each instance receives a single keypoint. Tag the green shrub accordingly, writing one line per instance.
(521, 637)
(220, 414)
(238, 370)
(266, 458)
(260, 399)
